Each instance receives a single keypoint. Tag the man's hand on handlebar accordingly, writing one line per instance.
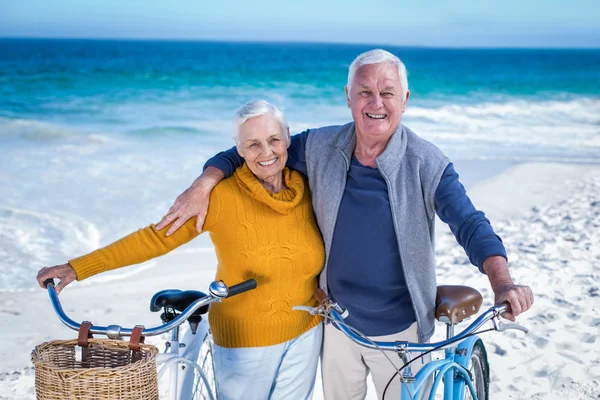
(519, 297)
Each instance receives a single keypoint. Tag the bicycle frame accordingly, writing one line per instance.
(186, 352)
(458, 351)
(455, 362)
(181, 386)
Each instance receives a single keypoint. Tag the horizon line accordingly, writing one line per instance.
(258, 41)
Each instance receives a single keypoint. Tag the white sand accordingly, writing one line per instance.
(549, 218)
(547, 214)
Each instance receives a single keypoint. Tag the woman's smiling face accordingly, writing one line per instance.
(263, 144)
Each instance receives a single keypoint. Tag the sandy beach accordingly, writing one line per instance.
(548, 216)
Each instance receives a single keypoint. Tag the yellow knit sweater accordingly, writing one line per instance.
(272, 238)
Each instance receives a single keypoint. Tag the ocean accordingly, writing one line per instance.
(98, 137)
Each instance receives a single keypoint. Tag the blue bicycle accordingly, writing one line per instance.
(464, 370)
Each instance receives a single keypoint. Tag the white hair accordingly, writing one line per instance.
(257, 108)
(378, 56)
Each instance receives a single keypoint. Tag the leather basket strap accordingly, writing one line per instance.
(136, 338)
(84, 334)
(82, 341)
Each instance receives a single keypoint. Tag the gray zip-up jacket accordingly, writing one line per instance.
(412, 169)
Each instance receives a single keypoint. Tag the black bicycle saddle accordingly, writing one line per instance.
(178, 300)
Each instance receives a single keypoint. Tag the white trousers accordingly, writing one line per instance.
(283, 371)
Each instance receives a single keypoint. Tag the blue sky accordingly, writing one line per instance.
(473, 23)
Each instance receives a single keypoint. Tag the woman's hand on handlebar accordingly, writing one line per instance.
(64, 273)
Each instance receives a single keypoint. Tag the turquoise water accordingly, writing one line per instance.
(98, 137)
(153, 88)
(459, 97)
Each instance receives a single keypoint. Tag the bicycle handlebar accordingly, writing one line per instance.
(116, 331)
(502, 308)
(404, 346)
(242, 287)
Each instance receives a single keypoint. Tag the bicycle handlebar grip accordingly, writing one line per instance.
(504, 307)
(242, 287)
(321, 296)
(48, 281)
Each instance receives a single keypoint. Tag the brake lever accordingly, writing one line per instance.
(501, 326)
(323, 310)
(310, 310)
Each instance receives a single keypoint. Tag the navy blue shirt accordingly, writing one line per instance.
(364, 256)
(365, 259)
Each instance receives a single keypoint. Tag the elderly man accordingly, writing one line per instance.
(376, 187)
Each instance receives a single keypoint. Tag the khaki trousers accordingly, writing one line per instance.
(346, 365)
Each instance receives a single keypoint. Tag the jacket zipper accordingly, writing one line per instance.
(400, 250)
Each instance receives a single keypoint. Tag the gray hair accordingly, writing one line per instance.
(378, 56)
(257, 108)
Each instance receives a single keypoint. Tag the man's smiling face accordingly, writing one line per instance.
(376, 100)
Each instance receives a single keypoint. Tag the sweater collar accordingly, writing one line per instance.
(283, 202)
(388, 160)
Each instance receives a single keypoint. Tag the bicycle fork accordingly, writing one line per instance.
(172, 353)
(179, 355)
(183, 355)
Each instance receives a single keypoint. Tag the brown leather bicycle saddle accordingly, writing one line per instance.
(455, 303)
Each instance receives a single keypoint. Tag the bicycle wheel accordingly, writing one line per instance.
(480, 373)
(202, 387)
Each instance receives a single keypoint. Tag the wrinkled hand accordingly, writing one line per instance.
(519, 297)
(191, 203)
(65, 273)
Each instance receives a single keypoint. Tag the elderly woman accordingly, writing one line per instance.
(262, 225)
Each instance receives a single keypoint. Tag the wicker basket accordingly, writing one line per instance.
(109, 371)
